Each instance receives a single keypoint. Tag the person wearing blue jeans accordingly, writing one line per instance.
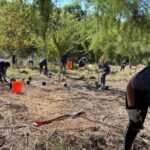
(137, 103)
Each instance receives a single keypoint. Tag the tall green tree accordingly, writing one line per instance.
(15, 32)
(122, 23)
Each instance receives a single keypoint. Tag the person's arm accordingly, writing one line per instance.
(130, 94)
(4, 75)
(5, 79)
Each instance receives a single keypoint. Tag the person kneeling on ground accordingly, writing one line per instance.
(83, 61)
(43, 63)
(137, 103)
(3, 69)
(104, 70)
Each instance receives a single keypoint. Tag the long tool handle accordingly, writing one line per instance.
(43, 122)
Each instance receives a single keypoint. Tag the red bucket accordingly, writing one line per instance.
(17, 87)
(69, 64)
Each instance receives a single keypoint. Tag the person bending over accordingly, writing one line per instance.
(43, 63)
(3, 69)
(137, 103)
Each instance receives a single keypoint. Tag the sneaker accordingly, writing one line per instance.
(101, 88)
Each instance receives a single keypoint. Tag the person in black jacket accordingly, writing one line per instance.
(3, 69)
(82, 62)
(43, 63)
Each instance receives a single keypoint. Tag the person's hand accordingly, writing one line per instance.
(135, 115)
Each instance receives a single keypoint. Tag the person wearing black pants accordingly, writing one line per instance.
(43, 63)
(104, 69)
(63, 62)
(103, 79)
(137, 103)
(3, 69)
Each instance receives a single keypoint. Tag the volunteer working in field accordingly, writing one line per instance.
(3, 69)
(43, 63)
(82, 62)
(104, 70)
(137, 103)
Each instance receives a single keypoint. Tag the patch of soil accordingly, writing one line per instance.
(100, 128)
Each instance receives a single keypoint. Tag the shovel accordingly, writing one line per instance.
(43, 122)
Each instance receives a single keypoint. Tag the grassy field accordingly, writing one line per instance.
(101, 126)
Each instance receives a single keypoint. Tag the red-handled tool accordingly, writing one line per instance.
(43, 122)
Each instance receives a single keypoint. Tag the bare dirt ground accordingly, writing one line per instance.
(101, 126)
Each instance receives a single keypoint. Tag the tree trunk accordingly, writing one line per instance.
(59, 72)
(95, 57)
(130, 61)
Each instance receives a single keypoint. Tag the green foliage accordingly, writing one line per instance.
(64, 31)
(15, 31)
(45, 9)
(76, 10)
(121, 26)
(116, 29)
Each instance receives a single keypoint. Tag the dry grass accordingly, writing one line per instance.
(101, 127)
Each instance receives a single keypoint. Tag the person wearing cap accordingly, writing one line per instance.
(137, 103)
(43, 63)
(3, 69)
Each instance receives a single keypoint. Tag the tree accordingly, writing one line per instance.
(121, 25)
(15, 33)
(63, 32)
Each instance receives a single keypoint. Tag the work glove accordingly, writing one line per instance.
(135, 115)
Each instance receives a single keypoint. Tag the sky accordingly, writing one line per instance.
(61, 3)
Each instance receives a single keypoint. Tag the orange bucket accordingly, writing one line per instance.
(17, 87)
(69, 64)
